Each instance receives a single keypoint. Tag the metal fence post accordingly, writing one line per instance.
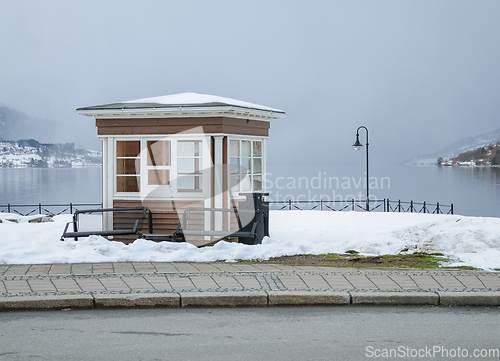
(437, 208)
(411, 206)
(8, 207)
(451, 208)
(353, 204)
(39, 208)
(399, 206)
(289, 204)
(424, 207)
(150, 222)
(321, 204)
(71, 208)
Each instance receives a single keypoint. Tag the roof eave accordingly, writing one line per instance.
(179, 112)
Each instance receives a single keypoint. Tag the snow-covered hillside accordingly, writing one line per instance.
(461, 146)
(30, 153)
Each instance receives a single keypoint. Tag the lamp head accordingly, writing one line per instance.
(357, 145)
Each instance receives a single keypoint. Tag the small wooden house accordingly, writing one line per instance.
(177, 151)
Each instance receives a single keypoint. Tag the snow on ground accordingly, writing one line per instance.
(472, 241)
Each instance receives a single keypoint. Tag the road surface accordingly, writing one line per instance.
(273, 333)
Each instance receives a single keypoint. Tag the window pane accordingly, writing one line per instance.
(189, 183)
(245, 148)
(234, 181)
(187, 165)
(234, 148)
(257, 183)
(159, 177)
(257, 149)
(159, 153)
(128, 148)
(189, 148)
(247, 165)
(128, 166)
(234, 165)
(127, 184)
(246, 184)
(257, 165)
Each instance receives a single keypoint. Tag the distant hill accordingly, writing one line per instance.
(31, 153)
(453, 150)
(15, 124)
(482, 156)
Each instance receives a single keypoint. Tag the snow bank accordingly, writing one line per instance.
(472, 241)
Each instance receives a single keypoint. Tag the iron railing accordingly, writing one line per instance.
(415, 207)
(56, 209)
(326, 205)
(384, 205)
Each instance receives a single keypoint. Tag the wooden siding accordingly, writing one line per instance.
(165, 219)
(139, 126)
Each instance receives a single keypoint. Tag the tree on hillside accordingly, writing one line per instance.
(495, 160)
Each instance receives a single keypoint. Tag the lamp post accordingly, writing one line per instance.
(357, 146)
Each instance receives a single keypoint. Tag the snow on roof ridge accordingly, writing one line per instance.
(195, 98)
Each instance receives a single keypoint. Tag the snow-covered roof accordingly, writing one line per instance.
(184, 104)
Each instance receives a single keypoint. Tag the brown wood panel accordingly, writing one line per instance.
(191, 121)
(158, 130)
(232, 129)
(246, 123)
(139, 126)
(165, 221)
(140, 122)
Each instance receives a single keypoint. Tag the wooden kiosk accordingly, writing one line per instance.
(173, 152)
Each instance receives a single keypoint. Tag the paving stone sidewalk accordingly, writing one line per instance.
(135, 284)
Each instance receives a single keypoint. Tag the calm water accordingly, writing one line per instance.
(50, 185)
(473, 191)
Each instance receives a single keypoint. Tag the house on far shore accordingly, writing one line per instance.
(177, 151)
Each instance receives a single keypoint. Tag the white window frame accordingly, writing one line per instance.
(158, 167)
(234, 192)
(169, 191)
(115, 166)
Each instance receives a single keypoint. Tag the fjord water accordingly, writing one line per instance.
(50, 185)
(473, 191)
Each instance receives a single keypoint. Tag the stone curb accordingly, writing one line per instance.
(250, 299)
(469, 298)
(137, 300)
(302, 298)
(394, 298)
(52, 302)
(224, 299)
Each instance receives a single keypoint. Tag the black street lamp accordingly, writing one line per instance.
(357, 146)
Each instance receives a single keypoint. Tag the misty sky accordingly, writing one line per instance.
(418, 74)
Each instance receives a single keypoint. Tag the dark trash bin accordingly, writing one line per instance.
(255, 202)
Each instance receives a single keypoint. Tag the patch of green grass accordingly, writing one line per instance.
(413, 260)
(353, 259)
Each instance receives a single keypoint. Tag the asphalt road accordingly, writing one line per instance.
(272, 333)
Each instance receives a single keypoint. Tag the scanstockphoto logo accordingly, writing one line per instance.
(324, 186)
(436, 351)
